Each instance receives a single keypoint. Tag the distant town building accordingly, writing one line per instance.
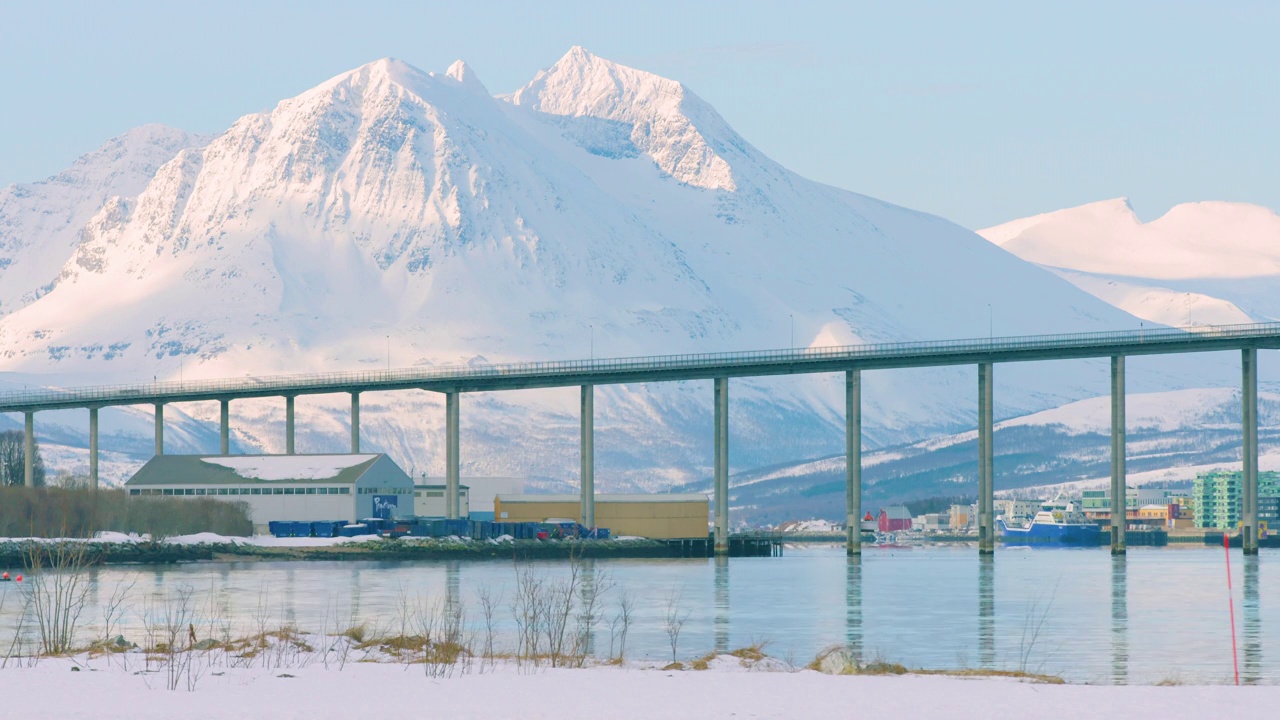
(931, 522)
(895, 519)
(1218, 498)
(960, 517)
(1096, 504)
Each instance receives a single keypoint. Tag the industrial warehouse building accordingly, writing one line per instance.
(429, 501)
(478, 503)
(651, 516)
(285, 487)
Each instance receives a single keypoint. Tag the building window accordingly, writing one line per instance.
(344, 491)
(135, 491)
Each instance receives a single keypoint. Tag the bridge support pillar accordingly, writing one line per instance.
(29, 449)
(1249, 399)
(986, 462)
(452, 509)
(722, 466)
(159, 428)
(288, 425)
(224, 427)
(1119, 488)
(588, 457)
(355, 423)
(93, 448)
(853, 461)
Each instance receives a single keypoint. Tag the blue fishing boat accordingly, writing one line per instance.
(1059, 522)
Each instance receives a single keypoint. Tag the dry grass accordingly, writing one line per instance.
(977, 672)
(357, 634)
(751, 653)
(704, 662)
(674, 666)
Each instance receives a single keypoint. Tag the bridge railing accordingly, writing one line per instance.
(372, 380)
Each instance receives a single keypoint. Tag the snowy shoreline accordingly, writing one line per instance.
(75, 687)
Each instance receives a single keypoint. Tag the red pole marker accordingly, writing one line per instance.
(1231, 603)
(18, 579)
(4, 576)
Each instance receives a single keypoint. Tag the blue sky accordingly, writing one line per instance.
(978, 111)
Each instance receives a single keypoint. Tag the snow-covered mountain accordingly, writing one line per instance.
(41, 222)
(394, 216)
(1202, 263)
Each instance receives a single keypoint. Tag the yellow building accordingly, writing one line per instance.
(651, 516)
(1153, 514)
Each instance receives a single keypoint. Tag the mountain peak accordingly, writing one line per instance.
(462, 73)
(659, 117)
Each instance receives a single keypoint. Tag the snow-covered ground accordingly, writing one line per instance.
(212, 539)
(99, 691)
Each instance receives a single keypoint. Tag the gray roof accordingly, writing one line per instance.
(628, 498)
(253, 469)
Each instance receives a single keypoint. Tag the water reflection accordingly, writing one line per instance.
(289, 608)
(853, 606)
(1251, 649)
(917, 608)
(986, 611)
(588, 597)
(1119, 621)
(453, 583)
(721, 585)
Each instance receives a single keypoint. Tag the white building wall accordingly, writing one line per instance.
(384, 478)
(265, 508)
(429, 502)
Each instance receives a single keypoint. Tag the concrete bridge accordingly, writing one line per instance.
(453, 381)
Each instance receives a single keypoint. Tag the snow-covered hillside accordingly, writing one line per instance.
(391, 215)
(41, 222)
(1171, 436)
(1204, 263)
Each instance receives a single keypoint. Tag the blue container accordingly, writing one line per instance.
(301, 529)
(280, 528)
(354, 530)
(326, 528)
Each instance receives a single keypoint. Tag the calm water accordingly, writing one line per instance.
(1159, 614)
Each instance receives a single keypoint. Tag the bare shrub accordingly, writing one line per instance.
(488, 605)
(81, 512)
(57, 590)
(113, 608)
(673, 621)
(620, 625)
(1032, 623)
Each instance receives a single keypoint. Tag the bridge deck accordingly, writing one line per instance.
(519, 376)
